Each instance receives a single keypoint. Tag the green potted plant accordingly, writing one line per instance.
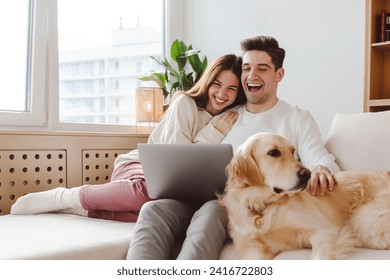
(180, 77)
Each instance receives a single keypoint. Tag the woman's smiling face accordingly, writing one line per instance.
(222, 92)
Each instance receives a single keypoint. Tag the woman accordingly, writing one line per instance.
(185, 121)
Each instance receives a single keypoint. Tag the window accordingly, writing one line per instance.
(14, 96)
(105, 43)
(22, 63)
(74, 64)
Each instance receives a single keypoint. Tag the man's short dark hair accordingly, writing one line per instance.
(267, 44)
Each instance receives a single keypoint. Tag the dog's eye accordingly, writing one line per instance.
(274, 153)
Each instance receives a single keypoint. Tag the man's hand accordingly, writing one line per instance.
(321, 180)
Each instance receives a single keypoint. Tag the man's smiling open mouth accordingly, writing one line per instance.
(252, 87)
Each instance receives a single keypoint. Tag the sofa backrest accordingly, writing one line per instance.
(360, 140)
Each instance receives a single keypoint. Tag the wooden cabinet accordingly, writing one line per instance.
(377, 60)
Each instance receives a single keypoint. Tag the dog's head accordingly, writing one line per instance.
(267, 159)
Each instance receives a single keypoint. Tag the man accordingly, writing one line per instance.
(161, 223)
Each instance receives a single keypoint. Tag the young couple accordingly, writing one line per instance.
(199, 115)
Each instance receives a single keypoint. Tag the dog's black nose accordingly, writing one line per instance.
(304, 174)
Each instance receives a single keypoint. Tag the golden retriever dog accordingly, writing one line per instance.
(270, 212)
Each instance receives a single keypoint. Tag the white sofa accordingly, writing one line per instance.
(358, 141)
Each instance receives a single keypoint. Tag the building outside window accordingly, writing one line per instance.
(106, 58)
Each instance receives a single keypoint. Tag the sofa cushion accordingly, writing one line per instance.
(360, 140)
(55, 236)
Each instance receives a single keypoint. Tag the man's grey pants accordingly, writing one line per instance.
(162, 224)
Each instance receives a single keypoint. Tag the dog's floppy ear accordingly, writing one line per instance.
(243, 170)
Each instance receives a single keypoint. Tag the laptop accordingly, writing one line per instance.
(194, 172)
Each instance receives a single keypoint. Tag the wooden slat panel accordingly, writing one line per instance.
(27, 171)
(98, 165)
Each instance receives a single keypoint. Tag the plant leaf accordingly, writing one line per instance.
(191, 52)
(202, 68)
(174, 87)
(196, 64)
(159, 78)
(178, 49)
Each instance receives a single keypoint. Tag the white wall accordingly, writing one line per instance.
(323, 39)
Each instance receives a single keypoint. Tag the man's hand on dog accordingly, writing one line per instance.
(321, 180)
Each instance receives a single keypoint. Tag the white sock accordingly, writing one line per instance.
(47, 201)
(75, 211)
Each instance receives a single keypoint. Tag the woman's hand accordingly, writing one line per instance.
(225, 121)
